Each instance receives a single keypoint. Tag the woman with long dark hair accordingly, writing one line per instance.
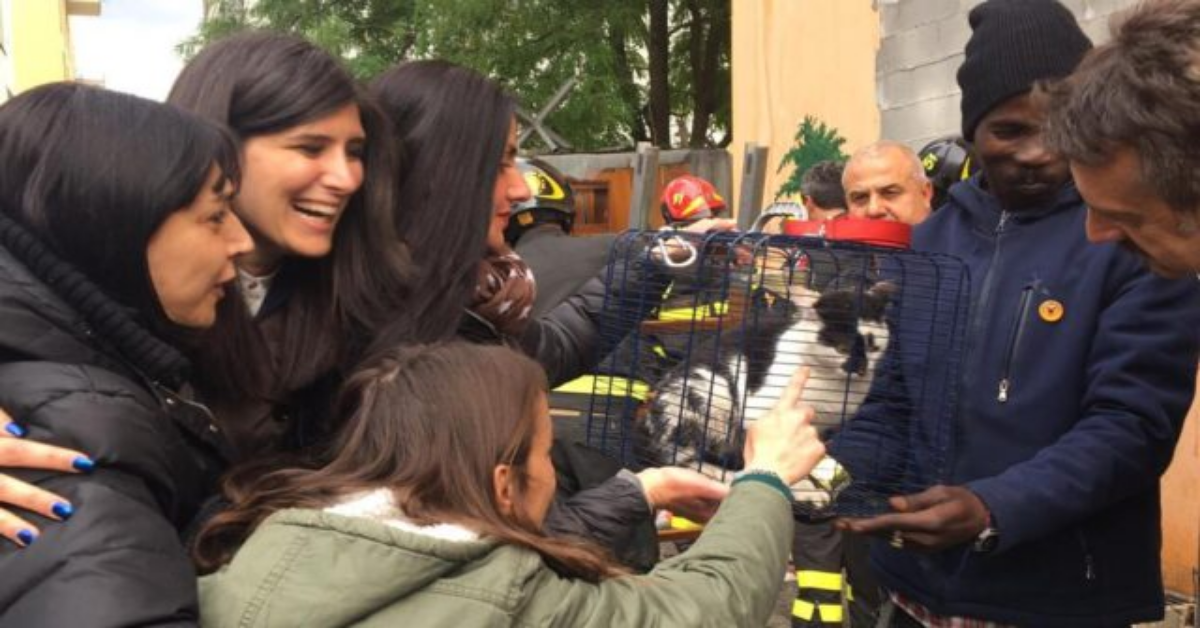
(455, 136)
(116, 242)
(327, 268)
(445, 529)
(449, 127)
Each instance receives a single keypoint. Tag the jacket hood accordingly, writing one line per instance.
(37, 324)
(51, 312)
(368, 563)
(985, 209)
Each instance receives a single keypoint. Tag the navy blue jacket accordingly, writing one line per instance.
(1064, 425)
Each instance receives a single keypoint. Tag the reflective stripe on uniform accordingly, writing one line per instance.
(827, 613)
(830, 613)
(819, 596)
(803, 610)
(680, 523)
(823, 580)
(605, 385)
(694, 313)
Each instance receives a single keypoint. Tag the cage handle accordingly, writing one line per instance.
(692, 254)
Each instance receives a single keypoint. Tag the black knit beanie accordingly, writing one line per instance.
(1013, 44)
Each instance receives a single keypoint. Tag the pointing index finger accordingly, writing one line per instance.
(795, 389)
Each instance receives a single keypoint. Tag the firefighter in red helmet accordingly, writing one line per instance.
(689, 198)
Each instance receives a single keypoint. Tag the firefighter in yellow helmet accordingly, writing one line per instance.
(538, 231)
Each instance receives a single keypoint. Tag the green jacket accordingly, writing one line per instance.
(313, 568)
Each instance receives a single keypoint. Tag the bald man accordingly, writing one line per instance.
(885, 181)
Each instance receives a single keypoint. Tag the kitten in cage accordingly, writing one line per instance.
(698, 410)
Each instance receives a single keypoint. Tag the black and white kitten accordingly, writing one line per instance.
(699, 410)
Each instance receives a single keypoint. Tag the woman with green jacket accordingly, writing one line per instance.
(427, 512)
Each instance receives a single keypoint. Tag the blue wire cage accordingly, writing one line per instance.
(881, 330)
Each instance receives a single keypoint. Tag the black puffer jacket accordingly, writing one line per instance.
(562, 264)
(566, 342)
(571, 338)
(77, 370)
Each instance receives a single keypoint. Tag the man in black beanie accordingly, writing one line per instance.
(1080, 368)
(1014, 44)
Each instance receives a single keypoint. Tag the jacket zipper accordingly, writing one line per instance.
(1089, 565)
(977, 315)
(985, 295)
(1014, 343)
(1004, 215)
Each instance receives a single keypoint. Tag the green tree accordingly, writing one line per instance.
(700, 58)
(639, 65)
(369, 35)
(815, 142)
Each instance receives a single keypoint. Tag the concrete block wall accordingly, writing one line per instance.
(920, 50)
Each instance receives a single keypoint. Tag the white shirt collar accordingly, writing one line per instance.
(254, 289)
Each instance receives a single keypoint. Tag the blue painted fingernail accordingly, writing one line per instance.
(15, 430)
(63, 510)
(84, 464)
(26, 536)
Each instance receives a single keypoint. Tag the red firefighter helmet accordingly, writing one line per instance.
(688, 198)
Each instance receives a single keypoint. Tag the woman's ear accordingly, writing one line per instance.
(502, 477)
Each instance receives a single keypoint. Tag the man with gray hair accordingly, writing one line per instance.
(885, 181)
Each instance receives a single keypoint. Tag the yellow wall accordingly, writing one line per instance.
(40, 46)
(1181, 508)
(793, 58)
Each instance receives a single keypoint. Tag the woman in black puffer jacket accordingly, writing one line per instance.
(115, 236)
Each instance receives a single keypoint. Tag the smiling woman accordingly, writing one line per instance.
(179, 207)
(327, 267)
(188, 260)
(299, 182)
(102, 262)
